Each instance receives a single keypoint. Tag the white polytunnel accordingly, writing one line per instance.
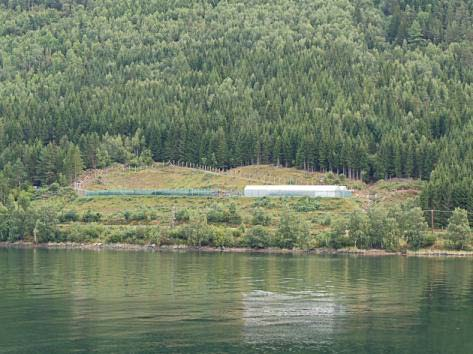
(297, 191)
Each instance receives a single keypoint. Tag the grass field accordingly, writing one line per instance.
(158, 177)
(169, 177)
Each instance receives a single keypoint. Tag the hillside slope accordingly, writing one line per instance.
(163, 176)
(369, 89)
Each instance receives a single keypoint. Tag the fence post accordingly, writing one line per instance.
(173, 216)
(432, 219)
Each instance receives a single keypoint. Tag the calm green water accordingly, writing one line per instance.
(82, 301)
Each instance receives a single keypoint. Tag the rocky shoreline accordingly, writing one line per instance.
(184, 248)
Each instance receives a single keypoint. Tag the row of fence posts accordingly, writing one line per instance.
(221, 171)
(234, 173)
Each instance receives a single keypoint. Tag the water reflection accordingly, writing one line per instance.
(63, 301)
(295, 317)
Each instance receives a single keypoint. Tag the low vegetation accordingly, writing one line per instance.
(385, 215)
(394, 229)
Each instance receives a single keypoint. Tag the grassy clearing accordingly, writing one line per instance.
(159, 176)
(169, 177)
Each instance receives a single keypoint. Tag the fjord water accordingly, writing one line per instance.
(85, 301)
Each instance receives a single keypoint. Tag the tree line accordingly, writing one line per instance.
(370, 89)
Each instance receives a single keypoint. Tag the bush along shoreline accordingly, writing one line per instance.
(397, 229)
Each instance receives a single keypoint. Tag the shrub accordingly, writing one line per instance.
(89, 216)
(459, 231)
(140, 215)
(307, 204)
(223, 237)
(428, 240)
(54, 187)
(233, 216)
(358, 230)
(237, 235)
(194, 235)
(146, 157)
(322, 239)
(154, 235)
(339, 237)
(326, 221)
(260, 217)
(23, 200)
(217, 214)
(126, 235)
(45, 228)
(134, 235)
(69, 216)
(68, 194)
(263, 202)
(151, 214)
(258, 237)
(331, 178)
(357, 185)
(414, 228)
(391, 236)
(82, 233)
(292, 232)
(183, 215)
(178, 235)
(201, 235)
(383, 230)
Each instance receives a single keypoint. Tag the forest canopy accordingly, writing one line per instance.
(369, 88)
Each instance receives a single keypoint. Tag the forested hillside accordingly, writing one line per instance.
(369, 88)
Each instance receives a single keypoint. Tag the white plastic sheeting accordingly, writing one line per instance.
(297, 191)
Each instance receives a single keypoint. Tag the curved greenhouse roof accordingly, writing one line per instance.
(329, 191)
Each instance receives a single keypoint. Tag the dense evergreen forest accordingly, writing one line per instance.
(369, 88)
